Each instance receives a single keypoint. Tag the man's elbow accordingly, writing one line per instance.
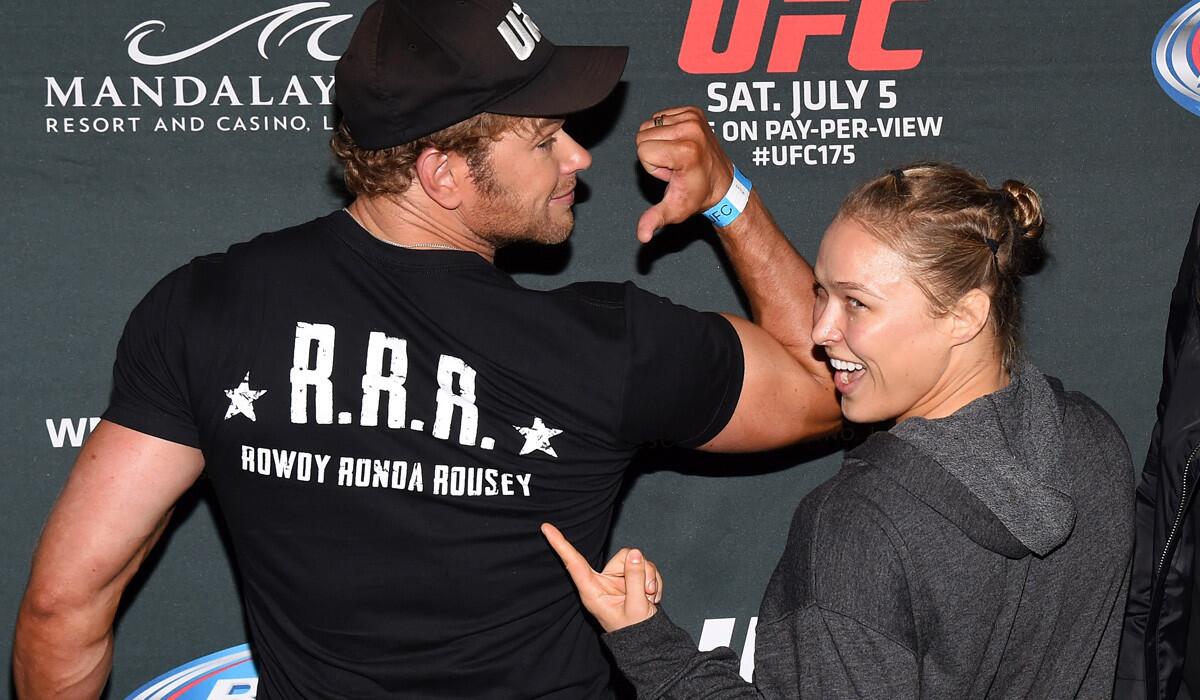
(39, 615)
(42, 604)
(811, 394)
(62, 643)
(822, 409)
(49, 599)
(824, 425)
(50, 610)
(788, 419)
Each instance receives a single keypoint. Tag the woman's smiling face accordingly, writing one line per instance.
(889, 352)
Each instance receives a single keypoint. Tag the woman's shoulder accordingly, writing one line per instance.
(1095, 448)
(859, 493)
(1079, 407)
(1087, 425)
(848, 518)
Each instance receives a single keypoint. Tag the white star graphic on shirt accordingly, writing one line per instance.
(538, 437)
(242, 398)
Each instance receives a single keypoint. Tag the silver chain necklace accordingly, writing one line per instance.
(406, 246)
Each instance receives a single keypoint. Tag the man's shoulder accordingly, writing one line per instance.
(631, 302)
(278, 247)
(611, 295)
(209, 281)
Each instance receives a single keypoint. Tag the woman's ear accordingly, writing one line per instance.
(969, 316)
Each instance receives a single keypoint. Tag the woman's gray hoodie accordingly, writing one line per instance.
(980, 555)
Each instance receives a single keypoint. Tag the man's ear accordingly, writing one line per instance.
(442, 176)
(969, 316)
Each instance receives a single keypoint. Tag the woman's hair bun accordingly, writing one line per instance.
(1026, 208)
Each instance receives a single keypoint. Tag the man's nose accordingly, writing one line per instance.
(575, 157)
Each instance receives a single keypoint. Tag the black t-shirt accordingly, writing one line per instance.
(385, 429)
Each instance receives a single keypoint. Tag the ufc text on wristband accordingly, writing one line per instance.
(725, 211)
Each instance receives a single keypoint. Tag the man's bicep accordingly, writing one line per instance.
(783, 400)
(682, 374)
(123, 485)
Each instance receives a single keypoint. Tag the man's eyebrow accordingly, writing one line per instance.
(545, 125)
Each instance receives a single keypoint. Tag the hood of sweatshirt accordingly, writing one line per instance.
(1007, 450)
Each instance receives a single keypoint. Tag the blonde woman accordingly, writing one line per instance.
(978, 548)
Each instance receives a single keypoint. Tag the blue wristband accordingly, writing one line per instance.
(725, 211)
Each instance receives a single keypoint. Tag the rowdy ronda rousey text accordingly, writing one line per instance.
(396, 474)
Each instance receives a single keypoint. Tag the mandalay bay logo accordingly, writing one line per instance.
(185, 86)
(277, 19)
(1176, 57)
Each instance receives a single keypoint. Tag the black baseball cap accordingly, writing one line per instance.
(414, 67)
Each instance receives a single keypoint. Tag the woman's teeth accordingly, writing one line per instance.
(844, 365)
(846, 371)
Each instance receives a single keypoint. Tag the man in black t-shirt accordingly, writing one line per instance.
(386, 417)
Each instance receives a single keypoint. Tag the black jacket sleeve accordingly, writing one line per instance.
(1159, 604)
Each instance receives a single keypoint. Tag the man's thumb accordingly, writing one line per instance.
(650, 222)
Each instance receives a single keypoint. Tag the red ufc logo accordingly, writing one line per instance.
(697, 54)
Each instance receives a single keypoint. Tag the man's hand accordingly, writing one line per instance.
(604, 593)
(677, 146)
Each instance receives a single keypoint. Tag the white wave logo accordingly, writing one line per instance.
(1176, 57)
(226, 674)
(275, 19)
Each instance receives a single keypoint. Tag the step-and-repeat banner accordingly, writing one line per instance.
(138, 135)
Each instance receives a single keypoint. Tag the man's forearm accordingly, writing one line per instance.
(777, 280)
(60, 655)
(787, 391)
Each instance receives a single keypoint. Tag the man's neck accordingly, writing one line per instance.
(407, 224)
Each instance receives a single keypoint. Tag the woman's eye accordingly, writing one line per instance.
(855, 303)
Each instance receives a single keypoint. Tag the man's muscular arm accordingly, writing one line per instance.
(788, 392)
(113, 509)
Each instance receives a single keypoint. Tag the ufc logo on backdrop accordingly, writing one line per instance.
(519, 32)
(790, 31)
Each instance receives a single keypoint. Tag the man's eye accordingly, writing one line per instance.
(855, 303)
(547, 144)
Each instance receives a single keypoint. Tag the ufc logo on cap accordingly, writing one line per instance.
(519, 31)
